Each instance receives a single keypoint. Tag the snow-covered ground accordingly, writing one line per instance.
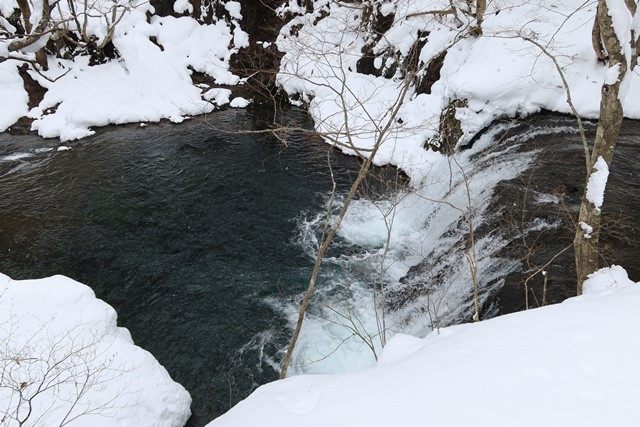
(570, 364)
(61, 348)
(501, 73)
(149, 81)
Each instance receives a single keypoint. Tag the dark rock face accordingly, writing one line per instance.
(450, 130)
(163, 7)
(36, 93)
(259, 19)
(259, 63)
(257, 15)
(431, 74)
(376, 25)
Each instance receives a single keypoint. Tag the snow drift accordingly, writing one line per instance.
(57, 337)
(150, 80)
(498, 74)
(571, 364)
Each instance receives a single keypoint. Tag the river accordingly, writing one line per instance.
(183, 229)
(200, 238)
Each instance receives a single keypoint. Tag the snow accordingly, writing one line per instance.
(7, 7)
(570, 364)
(613, 74)
(14, 97)
(60, 320)
(605, 280)
(147, 83)
(499, 74)
(233, 7)
(239, 102)
(182, 6)
(597, 182)
(218, 95)
(621, 19)
(587, 229)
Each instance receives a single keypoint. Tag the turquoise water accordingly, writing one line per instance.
(183, 229)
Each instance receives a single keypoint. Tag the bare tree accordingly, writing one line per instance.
(621, 60)
(351, 122)
(51, 379)
(333, 224)
(66, 22)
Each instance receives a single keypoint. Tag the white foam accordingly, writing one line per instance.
(15, 156)
(428, 226)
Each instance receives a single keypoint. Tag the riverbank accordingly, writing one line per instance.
(196, 238)
(186, 232)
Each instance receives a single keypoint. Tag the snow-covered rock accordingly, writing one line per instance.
(606, 279)
(218, 95)
(239, 102)
(501, 73)
(234, 8)
(150, 81)
(570, 364)
(54, 331)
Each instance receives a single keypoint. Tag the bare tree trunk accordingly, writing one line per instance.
(25, 10)
(33, 34)
(197, 8)
(596, 39)
(41, 59)
(481, 8)
(326, 242)
(327, 239)
(611, 114)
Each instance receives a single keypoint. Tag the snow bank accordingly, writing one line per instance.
(606, 279)
(150, 81)
(499, 74)
(14, 97)
(239, 102)
(57, 322)
(571, 364)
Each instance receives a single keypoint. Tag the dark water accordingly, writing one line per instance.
(185, 231)
(559, 171)
(533, 217)
(182, 229)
